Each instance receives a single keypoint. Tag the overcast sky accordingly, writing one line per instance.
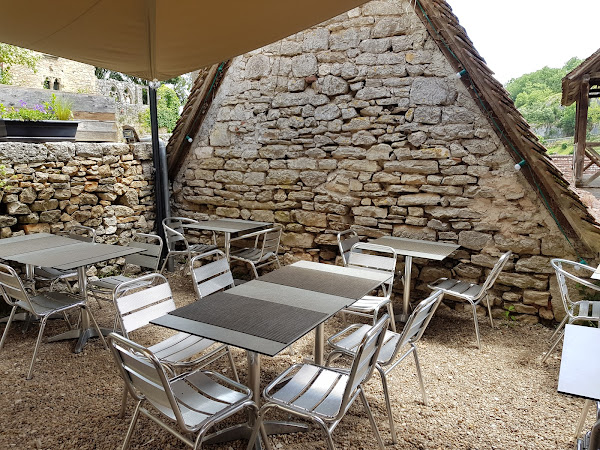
(521, 36)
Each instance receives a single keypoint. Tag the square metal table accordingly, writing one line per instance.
(231, 228)
(266, 315)
(61, 252)
(416, 248)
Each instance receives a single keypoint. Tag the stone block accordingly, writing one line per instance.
(531, 297)
(310, 218)
(474, 240)
(7, 221)
(298, 240)
(313, 178)
(432, 91)
(370, 211)
(36, 228)
(522, 281)
(412, 166)
(418, 199)
(315, 39)
(52, 216)
(257, 66)
(17, 208)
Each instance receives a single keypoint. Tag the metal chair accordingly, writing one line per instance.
(346, 239)
(177, 243)
(149, 259)
(49, 274)
(212, 275)
(347, 342)
(381, 258)
(264, 251)
(578, 310)
(148, 297)
(40, 306)
(194, 401)
(324, 394)
(471, 292)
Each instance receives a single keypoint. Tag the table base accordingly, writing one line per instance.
(82, 336)
(244, 431)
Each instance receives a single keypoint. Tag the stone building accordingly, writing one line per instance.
(385, 120)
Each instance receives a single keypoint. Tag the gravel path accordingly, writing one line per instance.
(498, 398)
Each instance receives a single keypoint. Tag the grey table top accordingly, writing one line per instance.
(235, 227)
(417, 248)
(294, 298)
(580, 367)
(59, 252)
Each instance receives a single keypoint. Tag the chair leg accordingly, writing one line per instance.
(258, 425)
(232, 363)
(553, 346)
(134, 419)
(37, 346)
(388, 404)
(420, 375)
(584, 413)
(123, 404)
(489, 307)
(10, 319)
(476, 325)
(560, 325)
(392, 319)
(371, 419)
(98, 330)
(162, 268)
(326, 431)
(253, 269)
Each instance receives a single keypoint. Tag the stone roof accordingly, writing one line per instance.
(571, 83)
(566, 207)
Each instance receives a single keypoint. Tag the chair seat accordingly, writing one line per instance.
(49, 273)
(368, 303)
(250, 254)
(109, 283)
(180, 347)
(51, 302)
(350, 343)
(457, 288)
(312, 389)
(201, 248)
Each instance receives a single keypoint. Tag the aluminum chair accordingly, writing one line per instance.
(149, 259)
(471, 292)
(264, 251)
(194, 401)
(381, 258)
(177, 243)
(212, 275)
(40, 306)
(148, 297)
(347, 342)
(576, 310)
(324, 394)
(346, 239)
(49, 274)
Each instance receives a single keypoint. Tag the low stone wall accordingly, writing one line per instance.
(50, 187)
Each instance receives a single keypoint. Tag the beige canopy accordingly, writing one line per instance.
(158, 39)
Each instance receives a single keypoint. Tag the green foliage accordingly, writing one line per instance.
(167, 106)
(537, 95)
(2, 176)
(9, 55)
(508, 314)
(56, 109)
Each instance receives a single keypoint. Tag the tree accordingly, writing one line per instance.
(9, 55)
(167, 106)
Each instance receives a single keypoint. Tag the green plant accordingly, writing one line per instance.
(167, 108)
(2, 176)
(509, 312)
(56, 108)
(9, 55)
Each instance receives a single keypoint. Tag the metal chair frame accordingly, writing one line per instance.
(264, 252)
(346, 239)
(147, 259)
(213, 275)
(148, 297)
(473, 293)
(575, 311)
(52, 275)
(347, 341)
(175, 237)
(324, 394)
(195, 401)
(381, 258)
(40, 306)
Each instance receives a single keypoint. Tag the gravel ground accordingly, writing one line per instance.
(500, 397)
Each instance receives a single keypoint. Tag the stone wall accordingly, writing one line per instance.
(108, 187)
(361, 122)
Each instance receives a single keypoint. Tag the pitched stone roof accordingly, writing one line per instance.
(575, 221)
(572, 81)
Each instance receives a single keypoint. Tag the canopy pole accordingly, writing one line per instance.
(159, 159)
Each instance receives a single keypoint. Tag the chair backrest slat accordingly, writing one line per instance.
(346, 239)
(367, 261)
(211, 276)
(150, 257)
(12, 287)
(417, 322)
(174, 233)
(491, 278)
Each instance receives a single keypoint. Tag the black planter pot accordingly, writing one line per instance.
(37, 131)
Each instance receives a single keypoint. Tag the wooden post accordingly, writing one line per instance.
(580, 129)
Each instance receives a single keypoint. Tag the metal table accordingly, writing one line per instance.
(231, 228)
(416, 248)
(61, 252)
(266, 315)
(579, 367)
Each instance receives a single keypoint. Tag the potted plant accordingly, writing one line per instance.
(50, 121)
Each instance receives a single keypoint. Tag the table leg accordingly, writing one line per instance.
(406, 296)
(244, 430)
(227, 244)
(319, 344)
(85, 330)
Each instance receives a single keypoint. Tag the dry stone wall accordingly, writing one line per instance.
(362, 123)
(52, 186)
